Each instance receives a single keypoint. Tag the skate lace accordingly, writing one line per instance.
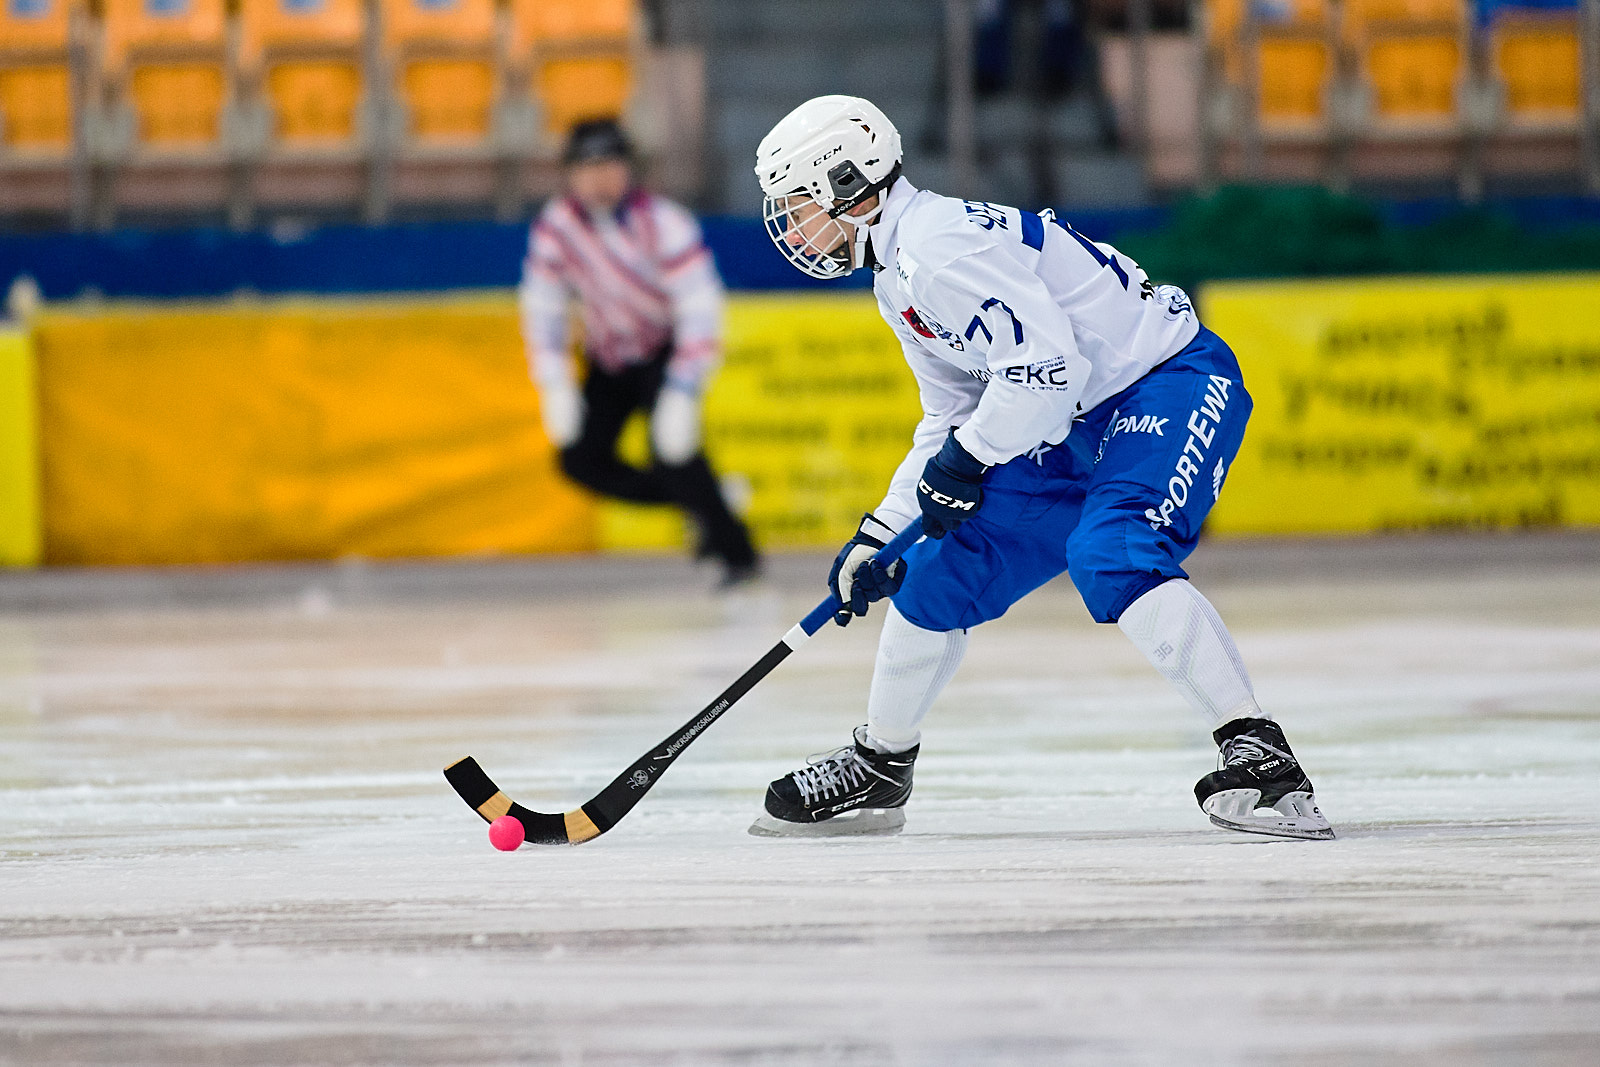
(830, 773)
(1248, 748)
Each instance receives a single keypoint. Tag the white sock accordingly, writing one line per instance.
(913, 666)
(1182, 636)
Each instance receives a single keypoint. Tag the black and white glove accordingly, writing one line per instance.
(950, 490)
(858, 579)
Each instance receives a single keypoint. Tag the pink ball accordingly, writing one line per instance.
(507, 833)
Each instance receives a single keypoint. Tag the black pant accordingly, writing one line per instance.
(592, 461)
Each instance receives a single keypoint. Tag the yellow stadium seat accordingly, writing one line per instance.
(448, 25)
(36, 108)
(36, 105)
(1225, 18)
(300, 27)
(1539, 62)
(313, 101)
(574, 89)
(1294, 79)
(35, 26)
(1411, 54)
(443, 54)
(168, 60)
(449, 100)
(178, 104)
(1360, 15)
(1414, 76)
(305, 58)
(1294, 57)
(570, 23)
(160, 26)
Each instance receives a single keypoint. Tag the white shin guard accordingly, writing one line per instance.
(913, 666)
(1183, 637)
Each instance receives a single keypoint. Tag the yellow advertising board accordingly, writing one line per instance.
(808, 418)
(325, 428)
(297, 429)
(19, 458)
(1414, 403)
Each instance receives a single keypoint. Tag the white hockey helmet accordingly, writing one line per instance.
(824, 158)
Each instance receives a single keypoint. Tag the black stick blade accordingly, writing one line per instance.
(484, 797)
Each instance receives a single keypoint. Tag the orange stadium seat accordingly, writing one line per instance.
(1412, 55)
(1295, 60)
(574, 89)
(36, 104)
(1415, 76)
(443, 54)
(579, 54)
(1537, 58)
(305, 58)
(168, 59)
(571, 23)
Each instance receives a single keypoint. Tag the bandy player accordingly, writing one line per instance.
(1076, 418)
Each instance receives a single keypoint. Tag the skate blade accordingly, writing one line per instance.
(862, 821)
(1295, 815)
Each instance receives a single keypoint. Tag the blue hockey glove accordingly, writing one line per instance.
(858, 579)
(951, 488)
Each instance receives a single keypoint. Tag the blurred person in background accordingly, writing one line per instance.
(650, 302)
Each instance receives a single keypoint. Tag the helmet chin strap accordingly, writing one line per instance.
(860, 251)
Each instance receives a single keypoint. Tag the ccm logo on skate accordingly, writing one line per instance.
(1202, 431)
(944, 499)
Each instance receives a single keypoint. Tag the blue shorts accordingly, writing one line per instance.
(1118, 505)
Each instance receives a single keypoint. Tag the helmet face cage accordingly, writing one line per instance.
(826, 253)
(823, 160)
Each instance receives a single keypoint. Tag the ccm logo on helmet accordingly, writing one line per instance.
(944, 499)
(829, 154)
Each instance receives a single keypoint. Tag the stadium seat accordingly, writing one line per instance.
(571, 23)
(166, 60)
(36, 99)
(302, 60)
(178, 104)
(313, 102)
(577, 56)
(1294, 59)
(1414, 75)
(450, 100)
(1412, 56)
(444, 59)
(574, 89)
(1295, 72)
(1537, 58)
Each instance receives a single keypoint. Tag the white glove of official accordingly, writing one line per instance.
(561, 410)
(675, 426)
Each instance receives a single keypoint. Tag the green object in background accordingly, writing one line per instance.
(20, 528)
(1308, 232)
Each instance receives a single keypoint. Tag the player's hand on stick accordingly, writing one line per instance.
(561, 411)
(950, 490)
(675, 425)
(857, 578)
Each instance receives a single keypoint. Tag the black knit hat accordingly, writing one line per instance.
(597, 139)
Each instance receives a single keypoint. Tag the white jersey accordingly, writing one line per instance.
(1014, 324)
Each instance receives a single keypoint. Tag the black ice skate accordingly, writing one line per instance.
(1260, 788)
(851, 790)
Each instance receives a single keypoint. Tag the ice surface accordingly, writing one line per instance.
(226, 838)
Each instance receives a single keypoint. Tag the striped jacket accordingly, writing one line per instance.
(642, 279)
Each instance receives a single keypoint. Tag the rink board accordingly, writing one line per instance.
(324, 428)
(327, 428)
(1414, 403)
(19, 459)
